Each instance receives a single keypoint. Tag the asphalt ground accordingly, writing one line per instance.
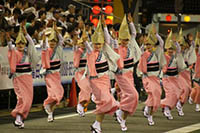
(67, 121)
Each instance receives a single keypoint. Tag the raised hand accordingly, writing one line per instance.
(130, 19)
(103, 20)
(24, 30)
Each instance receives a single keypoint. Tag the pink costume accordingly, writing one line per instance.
(175, 64)
(195, 94)
(80, 62)
(99, 62)
(20, 67)
(51, 61)
(184, 76)
(150, 65)
(128, 56)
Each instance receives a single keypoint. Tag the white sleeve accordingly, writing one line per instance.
(178, 47)
(161, 42)
(33, 54)
(60, 39)
(10, 45)
(88, 47)
(133, 30)
(107, 36)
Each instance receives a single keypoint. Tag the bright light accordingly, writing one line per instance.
(96, 9)
(108, 21)
(187, 18)
(168, 18)
(95, 21)
(108, 9)
(110, 17)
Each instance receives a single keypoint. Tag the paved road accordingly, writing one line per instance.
(37, 122)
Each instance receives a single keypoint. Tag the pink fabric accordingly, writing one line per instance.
(172, 92)
(195, 94)
(122, 51)
(46, 54)
(171, 88)
(85, 89)
(14, 58)
(185, 85)
(105, 102)
(197, 67)
(91, 59)
(54, 88)
(154, 91)
(128, 93)
(142, 66)
(77, 57)
(23, 87)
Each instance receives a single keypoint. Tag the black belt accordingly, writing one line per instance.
(101, 70)
(149, 69)
(54, 67)
(23, 70)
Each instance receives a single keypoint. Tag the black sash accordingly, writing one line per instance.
(23, 68)
(128, 63)
(82, 63)
(101, 67)
(54, 65)
(153, 67)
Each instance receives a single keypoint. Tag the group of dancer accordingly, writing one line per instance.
(95, 58)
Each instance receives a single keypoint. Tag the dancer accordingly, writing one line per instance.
(195, 94)
(22, 59)
(99, 60)
(150, 64)
(80, 62)
(189, 55)
(130, 53)
(52, 58)
(175, 64)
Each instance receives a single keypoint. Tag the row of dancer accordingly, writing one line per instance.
(93, 62)
(22, 58)
(153, 63)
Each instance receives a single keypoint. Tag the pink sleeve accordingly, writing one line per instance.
(197, 67)
(165, 66)
(12, 58)
(91, 59)
(120, 62)
(45, 59)
(77, 56)
(143, 63)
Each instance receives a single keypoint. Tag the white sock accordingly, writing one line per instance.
(18, 118)
(121, 113)
(146, 108)
(197, 106)
(97, 125)
(166, 108)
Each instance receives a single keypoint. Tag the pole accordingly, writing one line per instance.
(179, 21)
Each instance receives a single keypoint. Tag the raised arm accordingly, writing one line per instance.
(131, 26)
(12, 58)
(160, 40)
(88, 47)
